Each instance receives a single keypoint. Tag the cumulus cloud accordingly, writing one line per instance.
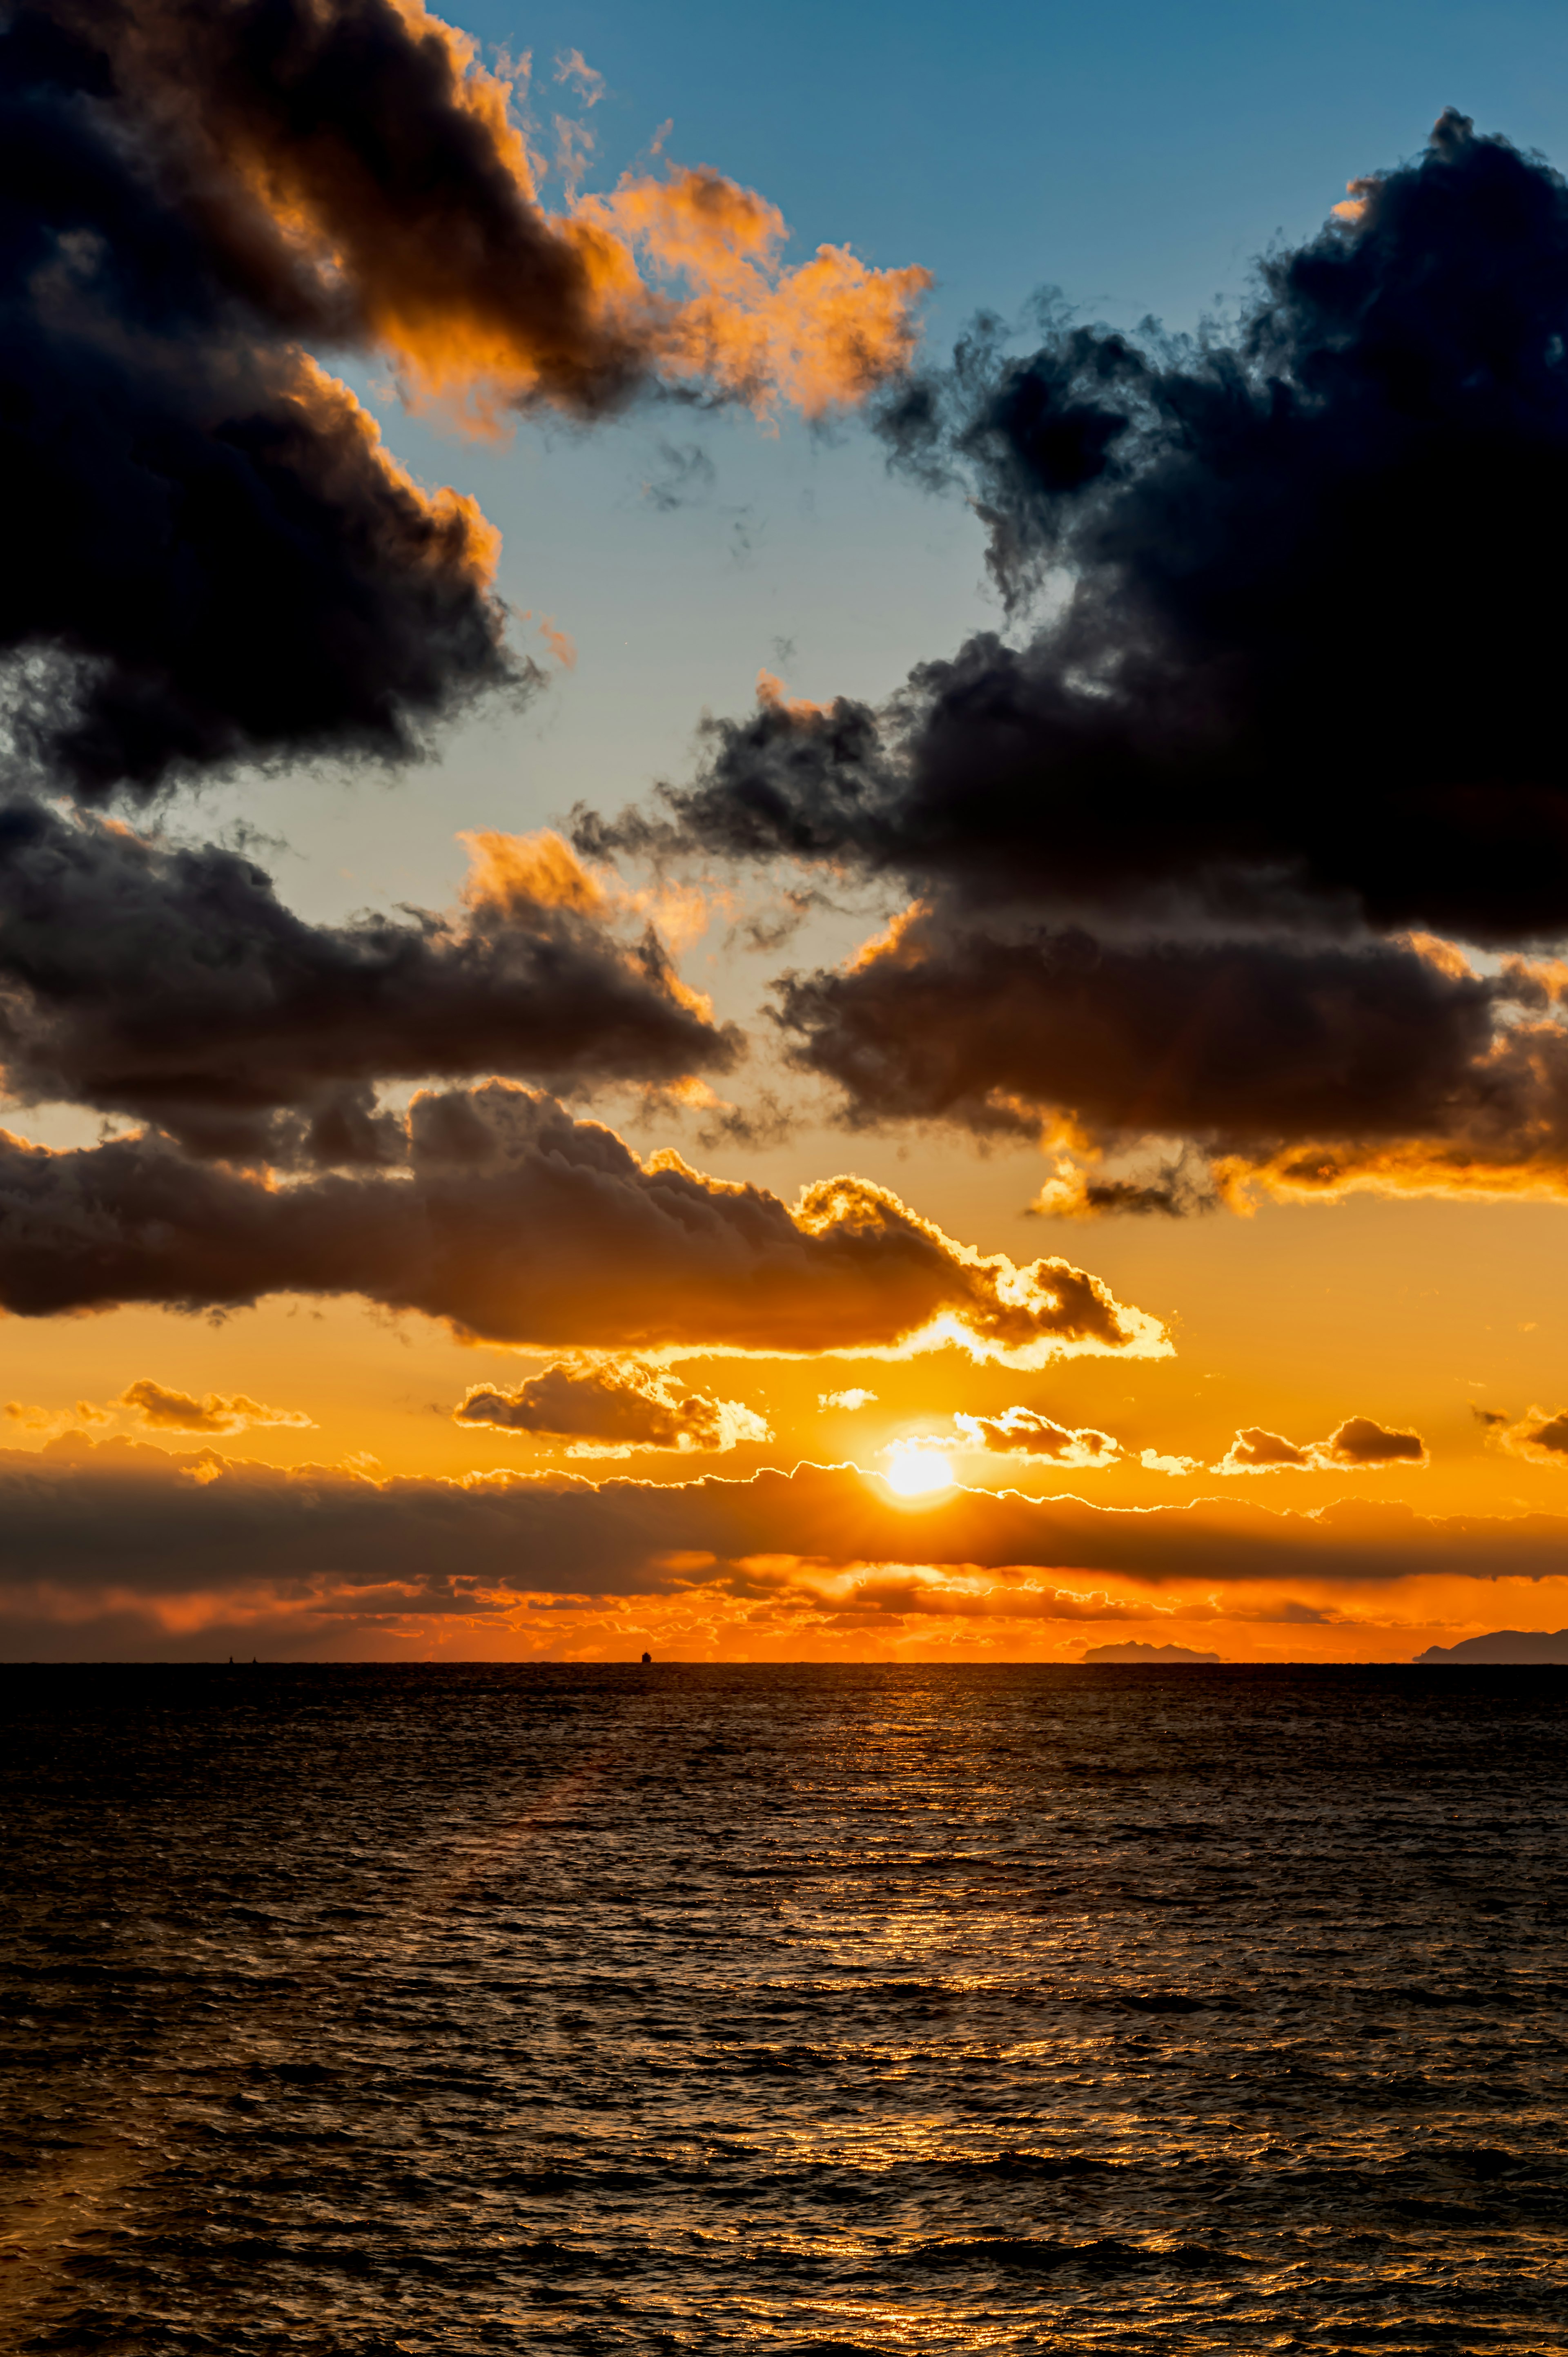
(155, 1405)
(196, 196)
(1199, 712)
(855, 1397)
(514, 1221)
(1188, 865)
(169, 983)
(1357, 1442)
(111, 1544)
(614, 1409)
(1023, 1432)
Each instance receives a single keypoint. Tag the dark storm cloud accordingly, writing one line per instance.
(213, 558)
(612, 1409)
(514, 1223)
(171, 984)
(1309, 652)
(1234, 1043)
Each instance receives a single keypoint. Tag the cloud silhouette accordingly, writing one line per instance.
(222, 563)
(510, 1221)
(169, 983)
(613, 1409)
(109, 1539)
(164, 1410)
(1172, 860)
(1538, 1435)
(1357, 1442)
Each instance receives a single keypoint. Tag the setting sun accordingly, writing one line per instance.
(915, 1471)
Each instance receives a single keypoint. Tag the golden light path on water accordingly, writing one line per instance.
(854, 2009)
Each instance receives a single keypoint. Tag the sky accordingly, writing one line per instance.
(781, 832)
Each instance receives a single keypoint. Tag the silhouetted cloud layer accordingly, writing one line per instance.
(118, 1527)
(221, 561)
(514, 1221)
(612, 1410)
(1296, 700)
(170, 983)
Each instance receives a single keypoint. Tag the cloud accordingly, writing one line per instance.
(1357, 1443)
(1241, 1044)
(613, 1410)
(513, 1222)
(855, 1397)
(1539, 1436)
(127, 1546)
(1257, 1451)
(168, 982)
(169, 1410)
(1187, 864)
(354, 163)
(686, 477)
(1205, 711)
(32, 1418)
(571, 67)
(1021, 1432)
(223, 564)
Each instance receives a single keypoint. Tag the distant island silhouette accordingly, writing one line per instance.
(1168, 1654)
(1501, 1646)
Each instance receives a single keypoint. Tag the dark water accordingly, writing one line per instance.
(803, 2011)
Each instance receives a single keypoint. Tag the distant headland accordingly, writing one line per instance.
(1501, 1646)
(1159, 1656)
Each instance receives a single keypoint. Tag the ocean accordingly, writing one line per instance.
(813, 2011)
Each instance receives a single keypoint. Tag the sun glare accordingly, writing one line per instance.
(915, 1472)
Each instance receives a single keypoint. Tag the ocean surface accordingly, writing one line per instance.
(805, 2011)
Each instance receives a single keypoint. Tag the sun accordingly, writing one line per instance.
(915, 1471)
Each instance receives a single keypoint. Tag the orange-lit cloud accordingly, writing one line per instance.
(1023, 1432)
(169, 983)
(1541, 1436)
(1357, 1443)
(368, 172)
(509, 1219)
(163, 1410)
(116, 1546)
(614, 1408)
